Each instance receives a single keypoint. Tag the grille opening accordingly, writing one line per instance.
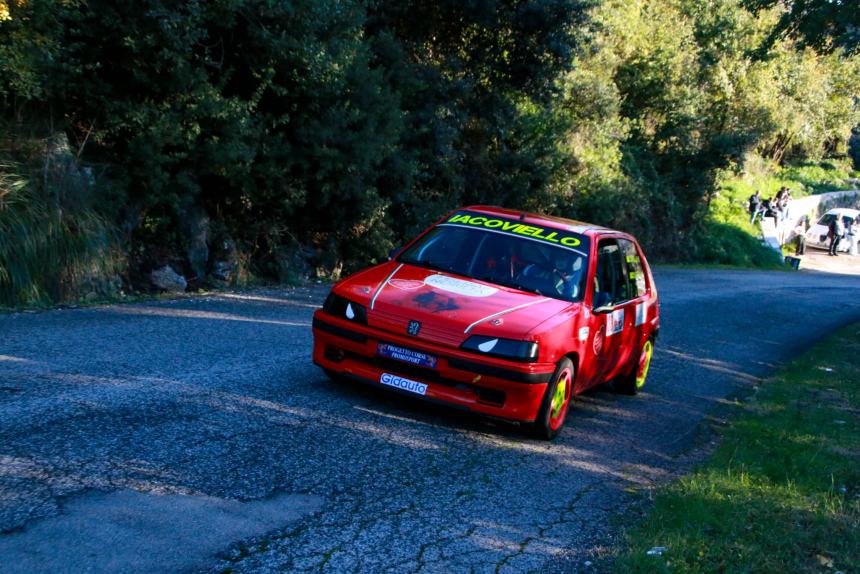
(493, 397)
(333, 354)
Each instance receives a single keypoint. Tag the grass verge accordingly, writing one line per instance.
(782, 491)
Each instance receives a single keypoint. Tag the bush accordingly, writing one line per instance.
(49, 254)
(725, 244)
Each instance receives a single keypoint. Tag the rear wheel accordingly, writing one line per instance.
(630, 384)
(556, 402)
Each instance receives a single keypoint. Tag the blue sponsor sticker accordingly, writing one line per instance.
(403, 383)
(406, 355)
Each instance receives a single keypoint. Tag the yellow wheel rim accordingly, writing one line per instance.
(559, 396)
(644, 364)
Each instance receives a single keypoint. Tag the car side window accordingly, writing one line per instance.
(610, 282)
(635, 272)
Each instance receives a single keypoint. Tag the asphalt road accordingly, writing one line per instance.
(197, 435)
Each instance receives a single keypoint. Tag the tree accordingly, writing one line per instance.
(824, 25)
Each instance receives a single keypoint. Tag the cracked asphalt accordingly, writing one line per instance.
(216, 398)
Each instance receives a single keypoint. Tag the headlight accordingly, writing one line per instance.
(510, 349)
(343, 307)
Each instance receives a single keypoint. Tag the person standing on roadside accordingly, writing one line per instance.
(778, 204)
(755, 206)
(770, 208)
(783, 204)
(853, 235)
(800, 236)
(837, 230)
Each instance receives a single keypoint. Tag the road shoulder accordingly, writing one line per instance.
(782, 490)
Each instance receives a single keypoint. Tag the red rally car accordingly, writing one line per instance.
(499, 312)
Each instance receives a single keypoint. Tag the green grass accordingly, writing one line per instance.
(50, 253)
(781, 493)
(819, 177)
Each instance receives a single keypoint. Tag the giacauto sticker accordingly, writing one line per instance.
(614, 322)
(403, 383)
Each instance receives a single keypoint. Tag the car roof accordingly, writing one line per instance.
(581, 227)
(844, 211)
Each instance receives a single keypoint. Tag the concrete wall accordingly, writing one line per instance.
(816, 205)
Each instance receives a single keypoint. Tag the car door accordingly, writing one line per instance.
(637, 306)
(610, 305)
(621, 288)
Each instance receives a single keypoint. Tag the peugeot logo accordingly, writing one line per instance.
(413, 327)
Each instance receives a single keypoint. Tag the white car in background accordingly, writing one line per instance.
(816, 236)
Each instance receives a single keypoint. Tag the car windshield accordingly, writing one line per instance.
(505, 258)
(826, 219)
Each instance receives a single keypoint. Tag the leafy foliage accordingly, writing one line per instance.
(669, 98)
(329, 131)
(825, 25)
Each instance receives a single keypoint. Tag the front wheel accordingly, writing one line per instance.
(336, 377)
(556, 402)
(630, 384)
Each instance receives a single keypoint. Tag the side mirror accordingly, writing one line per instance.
(393, 252)
(601, 303)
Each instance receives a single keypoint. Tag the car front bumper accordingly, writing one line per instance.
(493, 387)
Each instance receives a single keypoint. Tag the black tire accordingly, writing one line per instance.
(546, 426)
(629, 384)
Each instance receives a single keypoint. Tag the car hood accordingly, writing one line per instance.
(448, 307)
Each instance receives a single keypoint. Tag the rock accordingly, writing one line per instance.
(62, 174)
(294, 263)
(197, 230)
(223, 272)
(168, 280)
(115, 284)
(96, 285)
(226, 267)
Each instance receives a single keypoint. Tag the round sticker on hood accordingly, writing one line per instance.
(406, 284)
(459, 286)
